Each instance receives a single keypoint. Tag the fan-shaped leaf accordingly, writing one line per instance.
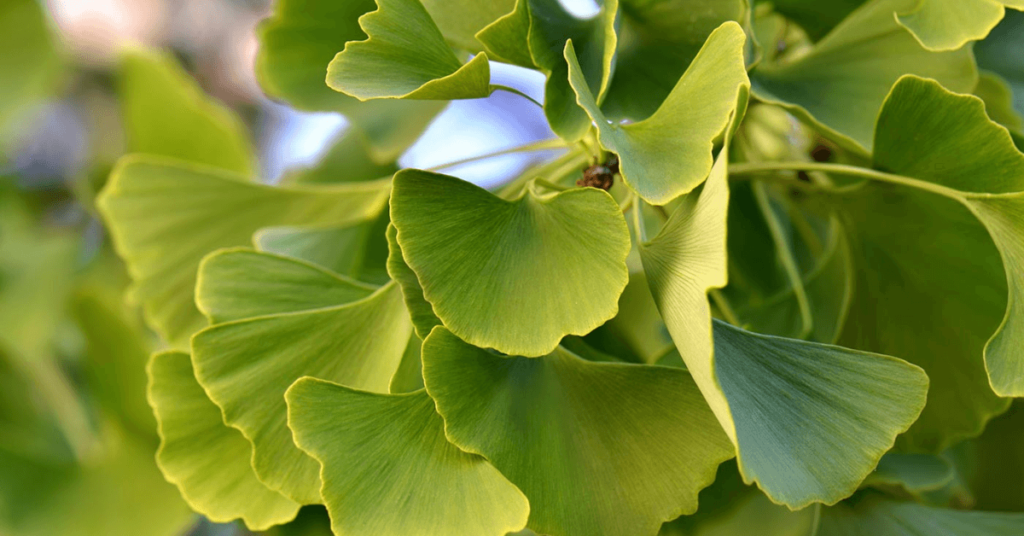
(247, 365)
(422, 313)
(657, 41)
(840, 85)
(543, 27)
(239, 283)
(405, 57)
(951, 24)
(460, 20)
(518, 275)
(166, 114)
(670, 153)
(791, 407)
(387, 467)
(207, 460)
(298, 42)
(598, 448)
(165, 215)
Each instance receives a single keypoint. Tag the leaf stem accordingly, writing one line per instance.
(843, 169)
(542, 145)
(499, 87)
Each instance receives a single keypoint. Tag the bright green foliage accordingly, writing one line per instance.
(192, 201)
(406, 44)
(839, 85)
(167, 114)
(808, 256)
(510, 249)
(207, 460)
(370, 443)
(685, 126)
(264, 353)
(578, 437)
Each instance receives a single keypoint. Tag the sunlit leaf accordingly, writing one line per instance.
(950, 24)
(240, 283)
(516, 276)
(855, 65)
(206, 459)
(405, 44)
(670, 153)
(166, 113)
(460, 20)
(359, 344)
(387, 467)
(166, 215)
(298, 42)
(599, 448)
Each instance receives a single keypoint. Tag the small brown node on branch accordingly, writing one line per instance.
(821, 153)
(600, 175)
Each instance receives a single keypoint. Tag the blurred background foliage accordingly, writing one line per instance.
(77, 437)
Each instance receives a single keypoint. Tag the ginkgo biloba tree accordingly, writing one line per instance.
(789, 234)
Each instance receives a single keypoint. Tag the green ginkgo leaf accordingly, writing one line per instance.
(409, 376)
(388, 470)
(405, 57)
(516, 276)
(359, 344)
(915, 473)
(341, 250)
(165, 215)
(998, 97)
(422, 313)
(460, 20)
(599, 448)
(874, 516)
(535, 36)
(816, 18)
(29, 59)
(165, 113)
(298, 42)
(238, 283)
(670, 153)
(998, 53)
(657, 41)
(206, 459)
(840, 84)
(951, 24)
(798, 412)
(985, 173)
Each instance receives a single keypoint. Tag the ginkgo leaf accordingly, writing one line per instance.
(985, 172)
(406, 47)
(998, 53)
(239, 283)
(535, 36)
(599, 448)
(809, 421)
(915, 473)
(206, 459)
(387, 468)
(409, 376)
(422, 313)
(339, 249)
(816, 18)
(998, 97)
(840, 84)
(670, 153)
(873, 516)
(165, 215)
(639, 325)
(951, 24)
(460, 20)
(516, 276)
(297, 43)
(657, 41)
(165, 113)
(247, 365)
(30, 63)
